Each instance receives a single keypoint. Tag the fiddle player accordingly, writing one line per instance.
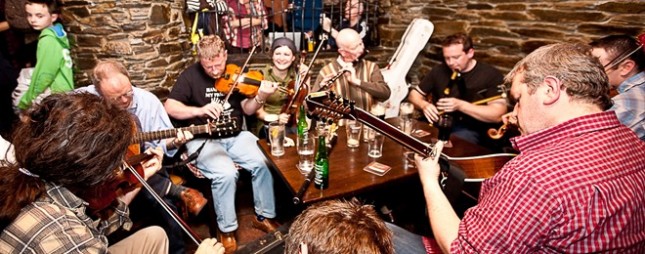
(282, 70)
(362, 82)
(68, 144)
(627, 76)
(480, 82)
(577, 185)
(113, 83)
(194, 100)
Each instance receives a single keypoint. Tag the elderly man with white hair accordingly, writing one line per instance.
(361, 82)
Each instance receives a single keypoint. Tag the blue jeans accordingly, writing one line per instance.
(405, 241)
(217, 162)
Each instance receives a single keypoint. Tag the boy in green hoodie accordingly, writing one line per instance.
(53, 71)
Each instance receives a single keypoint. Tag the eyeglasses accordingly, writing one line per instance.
(127, 95)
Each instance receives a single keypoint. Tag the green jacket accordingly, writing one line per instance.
(53, 67)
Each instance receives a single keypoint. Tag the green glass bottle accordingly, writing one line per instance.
(302, 122)
(321, 166)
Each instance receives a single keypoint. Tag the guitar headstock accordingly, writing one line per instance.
(224, 125)
(327, 106)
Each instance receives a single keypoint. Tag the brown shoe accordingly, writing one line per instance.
(194, 200)
(267, 225)
(228, 240)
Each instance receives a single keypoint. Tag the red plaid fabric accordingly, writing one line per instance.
(578, 187)
(244, 37)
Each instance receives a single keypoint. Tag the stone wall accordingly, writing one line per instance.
(149, 37)
(504, 31)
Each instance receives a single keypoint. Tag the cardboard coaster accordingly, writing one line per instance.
(376, 168)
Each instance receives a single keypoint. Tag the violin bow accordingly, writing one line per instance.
(301, 80)
(237, 79)
(182, 224)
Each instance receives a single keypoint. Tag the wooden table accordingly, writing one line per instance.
(346, 174)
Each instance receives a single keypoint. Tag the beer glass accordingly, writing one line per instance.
(353, 129)
(276, 137)
(305, 147)
(375, 144)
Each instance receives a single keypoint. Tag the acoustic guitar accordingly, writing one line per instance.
(225, 125)
(327, 107)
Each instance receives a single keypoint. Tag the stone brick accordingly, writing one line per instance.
(153, 37)
(479, 6)
(551, 15)
(81, 12)
(89, 40)
(157, 63)
(118, 47)
(597, 29)
(490, 31)
(159, 15)
(167, 47)
(626, 7)
(444, 28)
(142, 56)
(505, 15)
(510, 7)
(539, 33)
(155, 73)
(134, 26)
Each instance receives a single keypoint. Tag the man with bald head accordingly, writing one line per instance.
(112, 82)
(362, 81)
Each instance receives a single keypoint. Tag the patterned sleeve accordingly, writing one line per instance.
(511, 215)
(46, 228)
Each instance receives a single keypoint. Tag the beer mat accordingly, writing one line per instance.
(445, 145)
(420, 133)
(376, 168)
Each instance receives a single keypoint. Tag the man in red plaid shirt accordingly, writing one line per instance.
(578, 185)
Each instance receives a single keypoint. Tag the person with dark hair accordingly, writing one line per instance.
(112, 82)
(577, 185)
(480, 81)
(337, 226)
(53, 70)
(624, 61)
(67, 145)
(283, 70)
(353, 19)
(194, 100)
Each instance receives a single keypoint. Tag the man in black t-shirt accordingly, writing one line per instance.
(193, 100)
(480, 82)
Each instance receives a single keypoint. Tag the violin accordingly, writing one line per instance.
(101, 196)
(295, 100)
(248, 84)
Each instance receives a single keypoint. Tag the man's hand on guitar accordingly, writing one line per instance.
(428, 167)
(431, 112)
(210, 246)
(181, 139)
(211, 110)
(152, 165)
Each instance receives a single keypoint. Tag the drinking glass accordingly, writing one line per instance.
(306, 147)
(276, 137)
(353, 129)
(444, 124)
(375, 144)
(406, 109)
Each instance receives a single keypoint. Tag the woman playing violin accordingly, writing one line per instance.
(67, 144)
(282, 70)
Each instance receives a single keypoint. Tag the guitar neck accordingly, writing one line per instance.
(392, 132)
(170, 133)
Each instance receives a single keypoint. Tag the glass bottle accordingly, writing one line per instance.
(321, 178)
